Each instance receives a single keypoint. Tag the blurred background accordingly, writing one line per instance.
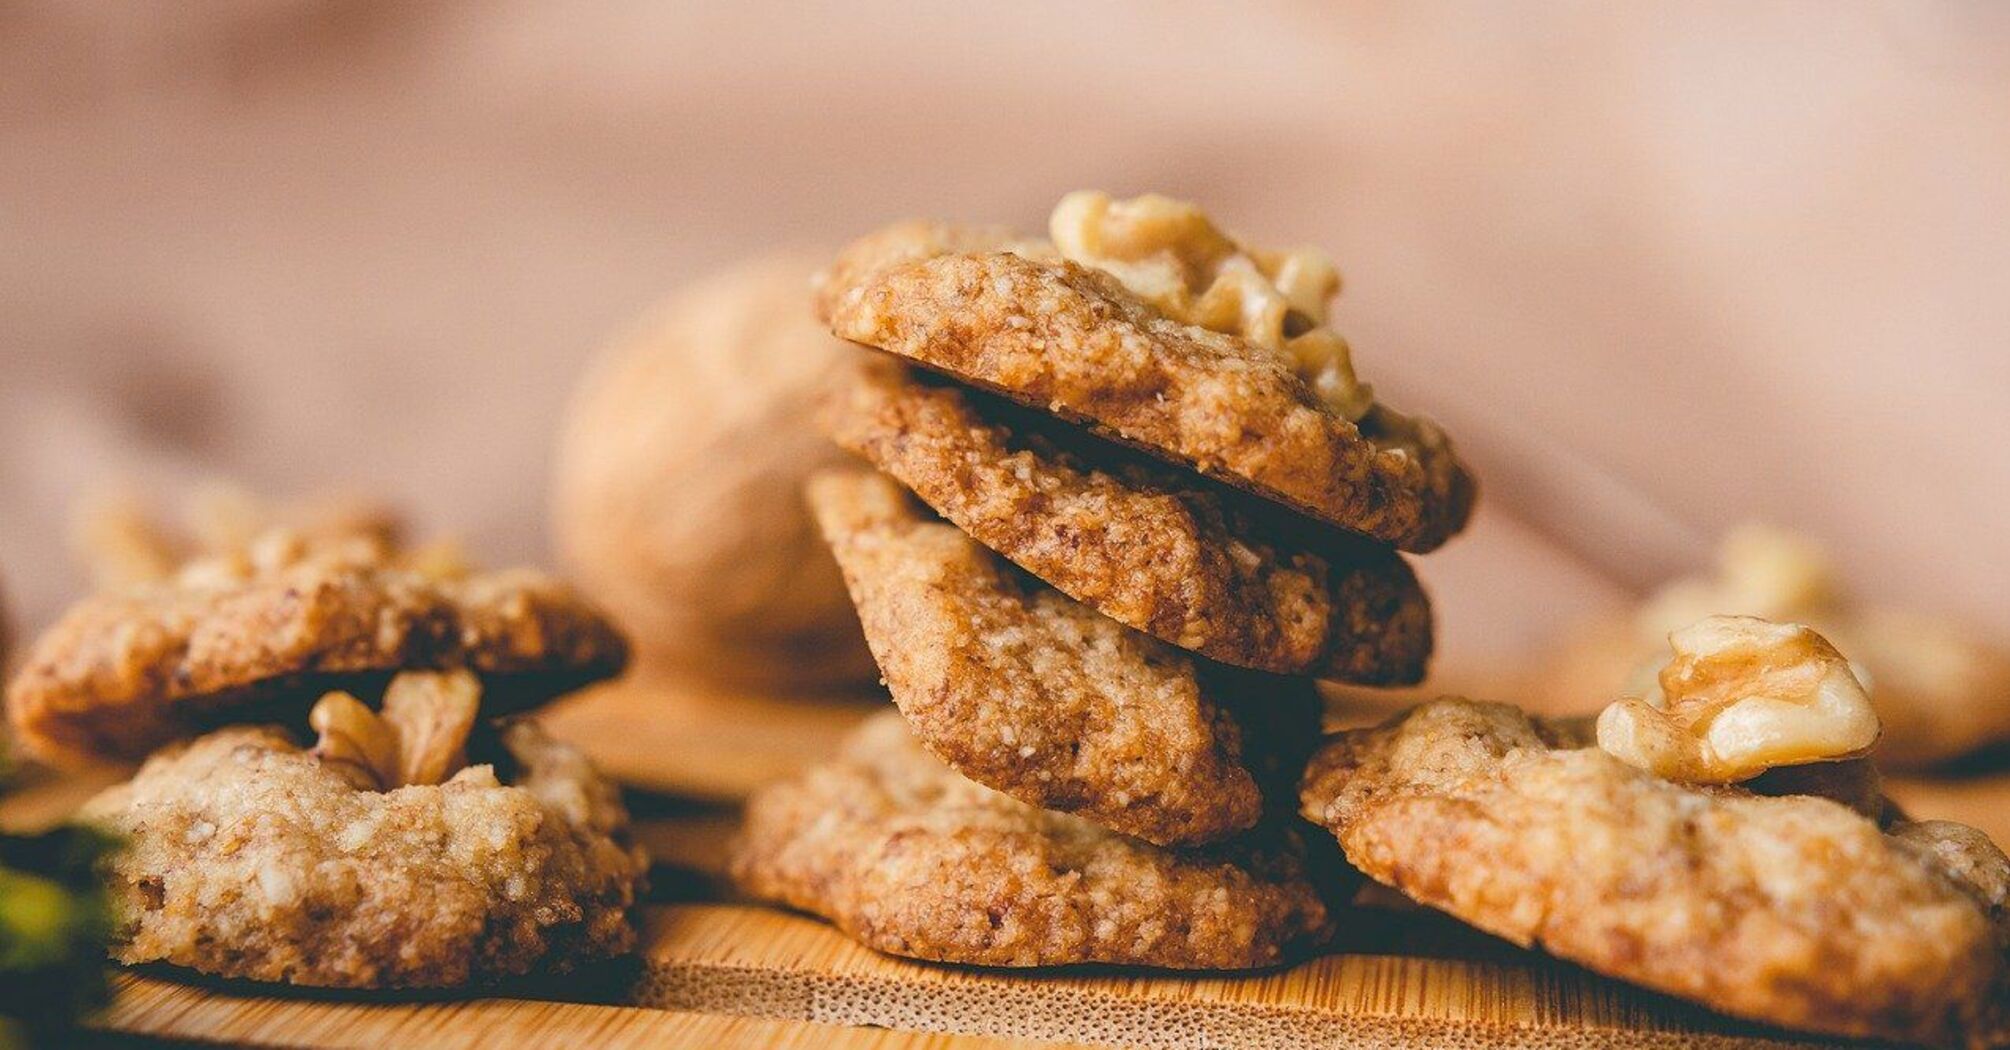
(1658, 268)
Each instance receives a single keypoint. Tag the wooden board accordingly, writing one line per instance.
(743, 959)
(730, 974)
(168, 1009)
(700, 741)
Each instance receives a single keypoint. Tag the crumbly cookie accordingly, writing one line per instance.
(1014, 316)
(126, 671)
(249, 857)
(1024, 690)
(910, 858)
(677, 491)
(1791, 910)
(1194, 564)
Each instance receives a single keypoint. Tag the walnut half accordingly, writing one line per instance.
(419, 737)
(1170, 254)
(1742, 695)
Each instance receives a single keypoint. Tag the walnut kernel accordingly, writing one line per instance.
(1740, 696)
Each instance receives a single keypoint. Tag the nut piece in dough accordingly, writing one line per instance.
(1162, 550)
(1014, 316)
(1742, 695)
(1942, 688)
(677, 495)
(910, 858)
(419, 737)
(1789, 910)
(249, 857)
(1020, 688)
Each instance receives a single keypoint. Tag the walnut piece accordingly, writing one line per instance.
(353, 740)
(1742, 695)
(419, 737)
(1170, 254)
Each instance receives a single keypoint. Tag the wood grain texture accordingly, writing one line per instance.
(732, 975)
(760, 962)
(702, 741)
(158, 1008)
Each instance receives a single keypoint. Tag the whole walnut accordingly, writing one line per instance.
(678, 495)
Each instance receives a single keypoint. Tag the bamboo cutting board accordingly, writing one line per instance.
(727, 975)
(722, 973)
(1380, 990)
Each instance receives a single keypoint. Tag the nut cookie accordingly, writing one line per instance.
(250, 857)
(1194, 564)
(1791, 910)
(1024, 690)
(1142, 320)
(910, 858)
(130, 669)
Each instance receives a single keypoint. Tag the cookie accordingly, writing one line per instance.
(1024, 319)
(1024, 690)
(1198, 565)
(1794, 910)
(247, 856)
(677, 489)
(910, 858)
(128, 670)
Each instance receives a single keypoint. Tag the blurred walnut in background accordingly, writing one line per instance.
(678, 495)
(1940, 686)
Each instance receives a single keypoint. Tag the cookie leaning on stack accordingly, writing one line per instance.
(1164, 490)
(417, 843)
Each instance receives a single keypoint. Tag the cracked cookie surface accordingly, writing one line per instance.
(132, 668)
(1197, 565)
(1792, 910)
(249, 857)
(910, 858)
(1010, 315)
(1021, 688)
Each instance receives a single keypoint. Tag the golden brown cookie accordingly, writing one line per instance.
(677, 492)
(1024, 690)
(1163, 551)
(1794, 910)
(910, 858)
(126, 671)
(1246, 406)
(249, 857)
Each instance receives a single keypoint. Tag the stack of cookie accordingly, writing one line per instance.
(1134, 501)
(418, 842)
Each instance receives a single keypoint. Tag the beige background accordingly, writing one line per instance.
(1659, 268)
